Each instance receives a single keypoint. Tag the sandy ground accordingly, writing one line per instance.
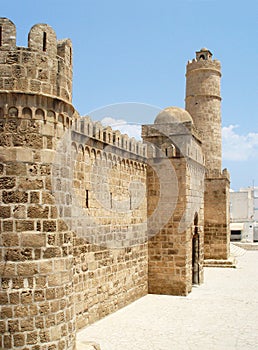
(221, 314)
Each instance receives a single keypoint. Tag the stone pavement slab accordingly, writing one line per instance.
(221, 314)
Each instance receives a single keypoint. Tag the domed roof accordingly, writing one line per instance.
(171, 115)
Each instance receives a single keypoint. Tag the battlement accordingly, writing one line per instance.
(203, 64)
(44, 67)
(217, 174)
(114, 138)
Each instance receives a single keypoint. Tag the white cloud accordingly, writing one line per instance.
(238, 147)
(131, 129)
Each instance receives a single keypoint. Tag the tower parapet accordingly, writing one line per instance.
(203, 59)
(210, 70)
(44, 67)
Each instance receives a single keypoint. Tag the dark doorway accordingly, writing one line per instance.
(195, 259)
(195, 253)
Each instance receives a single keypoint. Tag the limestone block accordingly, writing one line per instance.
(24, 155)
(15, 197)
(47, 156)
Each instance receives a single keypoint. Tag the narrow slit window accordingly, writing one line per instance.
(0, 35)
(130, 202)
(87, 199)
(111, 200)
(44, 41)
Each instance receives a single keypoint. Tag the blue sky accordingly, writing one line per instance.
(136, 51)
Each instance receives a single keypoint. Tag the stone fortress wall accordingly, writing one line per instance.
(52, 280)
(77, 200)
(110, 253)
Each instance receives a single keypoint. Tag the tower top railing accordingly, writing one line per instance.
(203, 64)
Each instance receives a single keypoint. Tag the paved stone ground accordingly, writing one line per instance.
(221, 314)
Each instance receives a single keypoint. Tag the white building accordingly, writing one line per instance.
(244, 214)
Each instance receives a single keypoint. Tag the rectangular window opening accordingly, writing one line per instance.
(87, 199)
(111, 200)
(0, 35)
(44, 41)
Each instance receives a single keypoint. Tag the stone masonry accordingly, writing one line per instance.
(90, 219)
(203, 102)
(176, 251)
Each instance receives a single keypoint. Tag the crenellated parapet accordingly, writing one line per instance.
(203, 76)
(218, 175)
(109, 137)
(204, 64)
(44, 67)
(36, 83)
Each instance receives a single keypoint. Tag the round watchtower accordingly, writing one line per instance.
(203, 102)
(35, 251)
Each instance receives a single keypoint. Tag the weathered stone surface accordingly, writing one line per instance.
(15, 197)
(25, 225)
(31, 184)
(10, 239)
(5, 211)
(19, 254)
(19, 211)
(74, 242)
(7, 182)
(38, 211)
(18, 169)
(32, 239)
(49, 225)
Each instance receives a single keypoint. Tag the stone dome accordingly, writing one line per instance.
(171, 115)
